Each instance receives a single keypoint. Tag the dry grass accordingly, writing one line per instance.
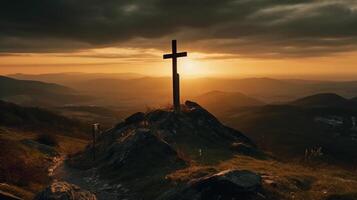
(286, 180)
(23, 168)
(68, 145)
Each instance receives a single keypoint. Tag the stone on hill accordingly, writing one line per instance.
(226, 185)
(45, 149)
(64, 191)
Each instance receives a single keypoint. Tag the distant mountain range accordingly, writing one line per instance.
(71, 78)
(130, 88)
(124, 86)
(28, 92)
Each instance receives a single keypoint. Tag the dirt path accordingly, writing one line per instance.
(89, 180)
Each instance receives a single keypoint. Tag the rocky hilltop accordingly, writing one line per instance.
(144, 149)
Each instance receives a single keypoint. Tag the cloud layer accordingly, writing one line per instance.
(253, 28)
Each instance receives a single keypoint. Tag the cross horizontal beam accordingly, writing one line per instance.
(175, 55)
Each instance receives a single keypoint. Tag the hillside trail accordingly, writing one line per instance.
(88, 180)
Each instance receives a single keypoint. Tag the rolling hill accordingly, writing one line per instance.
(38, 119)
(322, 99)
(32, 139)
(325, 121)
(27, 92)
(219, 102)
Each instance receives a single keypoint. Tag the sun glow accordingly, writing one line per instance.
(189, 67)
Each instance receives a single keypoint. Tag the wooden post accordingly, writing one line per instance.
(177, 94)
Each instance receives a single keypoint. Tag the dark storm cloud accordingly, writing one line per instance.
(258, 28)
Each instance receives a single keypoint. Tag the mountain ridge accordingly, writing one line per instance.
(29, 92)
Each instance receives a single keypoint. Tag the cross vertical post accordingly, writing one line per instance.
(175, 76)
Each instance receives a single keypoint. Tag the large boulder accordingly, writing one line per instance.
(226, 185)
(64, 191)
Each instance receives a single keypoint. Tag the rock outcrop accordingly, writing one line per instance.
(226, 185)
(64, 191)
(139, 151)
(164, 137)
(143, 149)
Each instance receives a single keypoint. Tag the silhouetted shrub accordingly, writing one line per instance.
(47, 139)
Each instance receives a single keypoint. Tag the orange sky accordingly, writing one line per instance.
(116, 60)
(230, 38)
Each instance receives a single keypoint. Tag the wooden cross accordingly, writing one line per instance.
(175, 76)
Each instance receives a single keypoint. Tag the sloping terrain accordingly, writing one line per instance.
(280, 180)
(323, 100)
(107, 116)
(25, 161)
(28, 92)
(323, 122)
(219, 102)
(32, 140)
(32, 118)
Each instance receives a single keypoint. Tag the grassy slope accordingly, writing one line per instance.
(23, 169)
(284, 180)
(33, 118)
(288, 131)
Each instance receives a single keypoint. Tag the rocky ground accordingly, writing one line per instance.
(90, 180)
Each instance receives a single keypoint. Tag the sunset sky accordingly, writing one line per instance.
(228, 38)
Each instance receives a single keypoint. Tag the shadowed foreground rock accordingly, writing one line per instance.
(226, 185)
(64, 191)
